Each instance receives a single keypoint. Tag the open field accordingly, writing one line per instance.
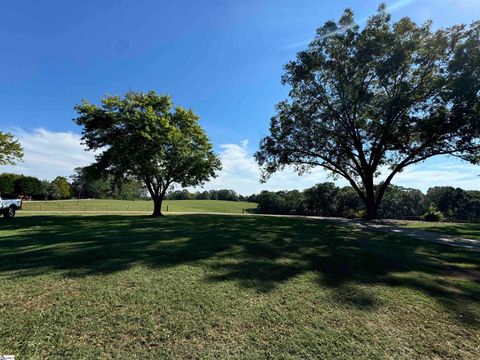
(140, 205)
(206, 286)
(470, 231)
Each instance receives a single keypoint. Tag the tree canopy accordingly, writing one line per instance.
(366, 102)
(142, 135)
(10, 149)
(63, 186)
(28, 186)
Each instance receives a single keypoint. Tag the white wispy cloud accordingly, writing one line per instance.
(241, 173)
(49, 154)
(399, 4)
(396, 5)
(440, 172)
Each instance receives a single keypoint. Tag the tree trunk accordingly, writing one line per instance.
(372, 209)
(370, 201)
(157, 206)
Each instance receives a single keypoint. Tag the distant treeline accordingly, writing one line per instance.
(327, 199)
(84, 185)
(80, 185)
(222, 194)
(13, 185)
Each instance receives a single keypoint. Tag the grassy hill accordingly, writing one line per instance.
(212, 286)
(140, 205)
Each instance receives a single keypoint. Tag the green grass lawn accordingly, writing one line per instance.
(207, 286)
(140, 205)
(470, 231)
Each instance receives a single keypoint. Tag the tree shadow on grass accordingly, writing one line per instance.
(255, 252)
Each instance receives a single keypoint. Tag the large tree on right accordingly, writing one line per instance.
(367, 102)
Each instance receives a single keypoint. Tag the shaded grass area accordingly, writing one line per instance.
(204, 286)
(466, 230)
(141, 205)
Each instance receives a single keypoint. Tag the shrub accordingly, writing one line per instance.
(354, 214)
(433, 215)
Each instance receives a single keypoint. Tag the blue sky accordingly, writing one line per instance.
(221, 58)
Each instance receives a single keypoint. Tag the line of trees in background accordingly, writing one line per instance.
(326, 199)
(81, 185)
(87, 185)
(222, 194)
(13, 185)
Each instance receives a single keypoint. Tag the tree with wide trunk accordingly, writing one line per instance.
(366, 102)
(143, 136)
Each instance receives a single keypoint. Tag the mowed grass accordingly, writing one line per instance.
(470, 231)
(236, 287)
(140, 205)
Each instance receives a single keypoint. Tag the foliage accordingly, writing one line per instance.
(354, 214)
(470, 208)
(204, 195)
(180, 195)
(13, 185)
(348, 203)
(63, 187)
(52, 190)
(225, 194)
(402, 203)
(29, 186)
(321, 199)
(455, 203)
(326, 199)
(131, 190)
(446, 198)
(143, 136)
(7, 183)
(433, 215)
(382, 97)
(91, 185)
(281, 202)
(10, 149)
(222, 194)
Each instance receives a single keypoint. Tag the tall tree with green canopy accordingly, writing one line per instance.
(7, 183)
(143, 136)
(63, 186)
(371, 101)
(10, 149)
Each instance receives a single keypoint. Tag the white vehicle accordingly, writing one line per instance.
(9, 207)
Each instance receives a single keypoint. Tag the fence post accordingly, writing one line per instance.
(167, 208)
